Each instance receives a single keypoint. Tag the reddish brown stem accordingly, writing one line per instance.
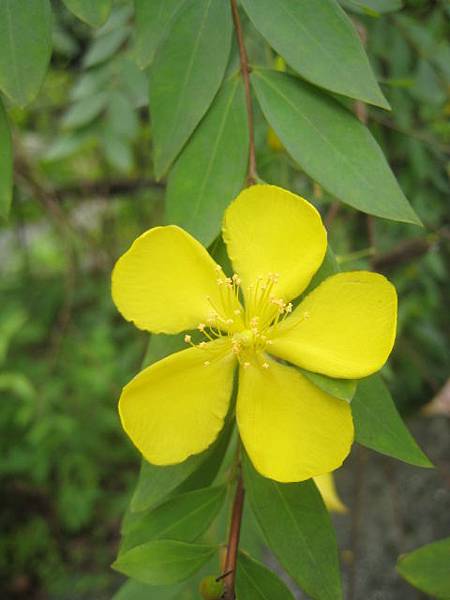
(233, 541)
(252, 176)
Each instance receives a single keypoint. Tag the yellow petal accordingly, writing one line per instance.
(162, 283)
(270, 230)
(327, 488)
(343, 328)
(176, 407)
(291, 429)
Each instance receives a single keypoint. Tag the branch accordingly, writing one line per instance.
(106, 187)
(406, 251)
(233, 541)
(252, 176)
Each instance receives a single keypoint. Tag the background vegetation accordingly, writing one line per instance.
(84, 188)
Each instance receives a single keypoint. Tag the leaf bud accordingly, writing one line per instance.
(211, 589)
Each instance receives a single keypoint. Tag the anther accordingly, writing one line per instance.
(188, 339)
(265, 365)
(201, 327)
(206, 363)
(246, 365)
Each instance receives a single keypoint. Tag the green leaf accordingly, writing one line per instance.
(25, 47)
(122, 119)
(186, 74)
(344, 389)
(379, 426)
(254, 581)
(156, 483)
(163, 562)
(298, 529)
(105, 45)
(184, 518)
(84, 111)
(188, 590)
(428, 568)
(153, 21)
(134, 590)
(319, 41)
(6, 164)
(373, 8)
(331, 145)
(211, 169)
(93, 13)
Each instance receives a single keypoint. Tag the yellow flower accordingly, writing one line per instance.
(327, 487)
(167, 282)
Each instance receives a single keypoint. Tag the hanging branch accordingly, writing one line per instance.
(252, 176)
(229, 570)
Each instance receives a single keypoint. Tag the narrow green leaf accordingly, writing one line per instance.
(6, 164)
(186, 74)
(25, 47)
(105, 45)
(373, 8)
(153, 21)
(163, 562)
(188, 590)
(298, 529)
(205, 178)
(156, 483)
(93, 13)
(379, 426)
(428, 568)
(344, 389)
(319, 41)
(331, 145)
(254, 581)
(184, 518)
(85, 110)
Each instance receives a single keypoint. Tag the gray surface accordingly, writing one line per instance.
(393, 508)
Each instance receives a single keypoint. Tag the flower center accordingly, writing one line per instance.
(248, 330)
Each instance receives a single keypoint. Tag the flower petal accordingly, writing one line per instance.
(163, 281)
(176, 407)
(270, 230)
(327, 488)
(291, 430)
(344, 328)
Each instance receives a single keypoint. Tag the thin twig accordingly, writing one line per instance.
(252, 176)
(233, 541)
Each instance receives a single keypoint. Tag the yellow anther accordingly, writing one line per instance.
(265, 365)
(202, 345)
(201, 327)
(188, 339)
(246, 365)
(206, 363)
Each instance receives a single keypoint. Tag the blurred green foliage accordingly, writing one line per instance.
(84, 190)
